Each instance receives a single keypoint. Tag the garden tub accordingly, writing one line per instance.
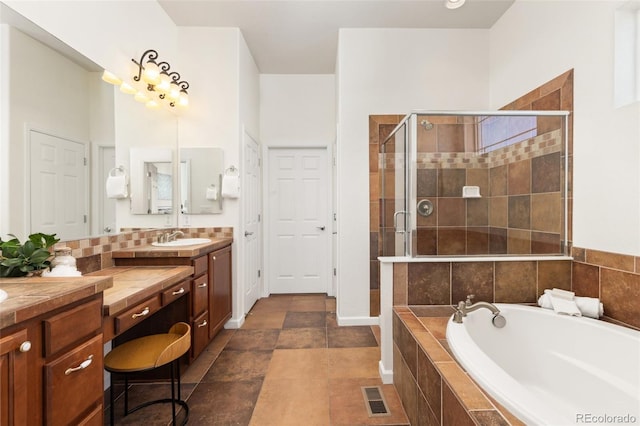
(551, 369)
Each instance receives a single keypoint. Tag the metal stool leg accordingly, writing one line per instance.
(112, 410)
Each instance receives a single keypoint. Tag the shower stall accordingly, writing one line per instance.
(475, 184)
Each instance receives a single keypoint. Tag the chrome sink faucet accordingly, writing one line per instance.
(467, 306)
(173, 236)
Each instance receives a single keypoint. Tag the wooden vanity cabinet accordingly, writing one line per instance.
(51, 367)
(219, 289)
(210, 291)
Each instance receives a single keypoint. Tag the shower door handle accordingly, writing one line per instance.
(395, 221)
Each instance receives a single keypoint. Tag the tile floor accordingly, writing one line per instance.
(289, 364)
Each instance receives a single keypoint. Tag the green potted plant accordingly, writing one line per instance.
(30, 258)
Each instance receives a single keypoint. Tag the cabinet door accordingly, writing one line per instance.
(219, 289)
(74, 383)
(13, 378)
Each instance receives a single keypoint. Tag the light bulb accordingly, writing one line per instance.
(183, 98)
(126, 88)
(152, 104)
(141, 97)
(151, 73)
(165, 83)
(111, 78)
(174, 91)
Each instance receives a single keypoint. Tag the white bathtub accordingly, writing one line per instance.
(550, 369)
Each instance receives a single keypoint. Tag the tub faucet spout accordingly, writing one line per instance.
(464, 308)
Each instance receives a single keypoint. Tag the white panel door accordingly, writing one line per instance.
(58, 186)
(252, 231)
(298, 213)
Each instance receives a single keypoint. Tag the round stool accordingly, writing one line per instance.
(146, 353)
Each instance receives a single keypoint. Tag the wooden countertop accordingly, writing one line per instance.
(34, 296)
(184, 251)
(133, 284)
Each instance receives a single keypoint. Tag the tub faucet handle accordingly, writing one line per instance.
(470, 298)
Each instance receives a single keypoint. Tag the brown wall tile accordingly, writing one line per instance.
(451, 212)
(427, 139)
(611, 260)
(450, 137)
(497, 240)
(546, 212)
(546, 173)
(427, 182)
(545, 243)
(519, 177)
(471, 278)
(554, 274)
(480, 178)
(586, 280)
(515, 282)
(478, 241)
(429, 383)
(620, 293)
(429, 283)
(498, 181)
(477, 211)
(453, 413)
(518, 241)
(450, 182)
(499, 212)
(427, 244)
(520, 211)
(400, 276)
(452, 241)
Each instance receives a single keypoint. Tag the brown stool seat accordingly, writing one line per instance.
(146, 353)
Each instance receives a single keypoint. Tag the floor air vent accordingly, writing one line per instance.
(374, 401)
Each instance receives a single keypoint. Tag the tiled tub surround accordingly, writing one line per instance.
(94, 254)
(434, 389)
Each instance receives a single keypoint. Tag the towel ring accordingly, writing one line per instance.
(119, 168)
(232, 171)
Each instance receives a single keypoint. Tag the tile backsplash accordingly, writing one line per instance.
(93, 254)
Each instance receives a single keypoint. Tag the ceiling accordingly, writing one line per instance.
(301, 36)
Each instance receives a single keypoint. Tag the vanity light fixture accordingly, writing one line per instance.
(161, 79)
(453, 4)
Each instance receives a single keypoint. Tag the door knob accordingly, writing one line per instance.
(321, 228)
(247, 233)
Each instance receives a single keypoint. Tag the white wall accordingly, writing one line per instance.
(391, 71)
(535, 41)
(297, 110)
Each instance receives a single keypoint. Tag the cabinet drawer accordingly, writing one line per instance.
(175, 292)
(72, 326)
(200, 327)
(199, 265)
(73, 383)
(137, 314)
(94, 418)
(200, 294)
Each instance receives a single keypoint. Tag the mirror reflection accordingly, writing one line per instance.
(151, 181)
(200, 180)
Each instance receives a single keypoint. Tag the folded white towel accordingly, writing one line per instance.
(565, 306)
(589, 306)
(230, 186)
(562, 294)
(116, 186)
(212, 193)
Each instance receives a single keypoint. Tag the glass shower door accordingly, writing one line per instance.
(393, 205)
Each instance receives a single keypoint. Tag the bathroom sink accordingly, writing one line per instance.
(3, 295)
(183, 242)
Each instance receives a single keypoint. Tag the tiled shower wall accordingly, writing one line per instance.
(93, 254)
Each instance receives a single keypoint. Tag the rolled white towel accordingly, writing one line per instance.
(590, 306)
(562, 294)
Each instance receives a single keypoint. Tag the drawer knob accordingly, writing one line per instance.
(144, 312)
(25, 346)
(175, 293)
(204, 323)
(84, 364)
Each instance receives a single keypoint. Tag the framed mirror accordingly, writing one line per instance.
(201, 172)
(151, 181)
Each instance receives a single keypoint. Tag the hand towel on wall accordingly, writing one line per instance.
(116, 186)
(212, 193)
(230, 186)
